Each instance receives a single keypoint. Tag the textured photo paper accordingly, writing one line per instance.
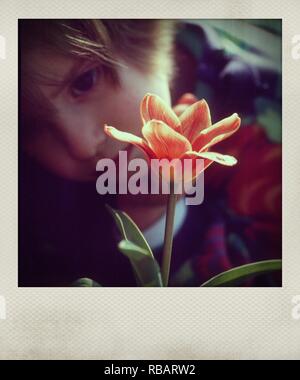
(147, 152)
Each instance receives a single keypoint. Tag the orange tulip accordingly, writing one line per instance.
(190, 135)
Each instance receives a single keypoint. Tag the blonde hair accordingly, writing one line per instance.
(145, 44)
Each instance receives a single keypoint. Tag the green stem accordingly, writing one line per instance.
(168, 240)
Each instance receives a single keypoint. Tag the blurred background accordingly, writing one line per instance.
(236, 66)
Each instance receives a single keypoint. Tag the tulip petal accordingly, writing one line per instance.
(164, 141)
(195, 119)
(195, 169)
(217, 132)
(216, 157)
(129, 138)
(180, 108)
(153, 107)
(187, 98)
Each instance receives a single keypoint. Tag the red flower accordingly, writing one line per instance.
(190, 135)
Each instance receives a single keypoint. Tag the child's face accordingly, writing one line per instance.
(76, 141)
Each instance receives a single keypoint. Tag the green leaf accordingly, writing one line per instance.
(129, 229)
(86, 282)
(135, 247)
(146, 268)
(132, 250)
(242, 272)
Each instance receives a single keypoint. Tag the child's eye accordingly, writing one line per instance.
(84, 82)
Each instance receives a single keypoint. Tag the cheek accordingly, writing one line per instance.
(129, 115)
(127, 103)
(133, 86)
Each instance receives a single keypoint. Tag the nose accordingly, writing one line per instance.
(83, 137)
